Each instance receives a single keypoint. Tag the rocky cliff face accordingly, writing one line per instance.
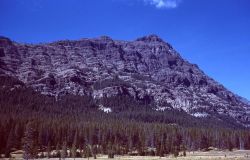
(147, 69)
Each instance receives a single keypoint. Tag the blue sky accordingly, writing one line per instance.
(215, 34)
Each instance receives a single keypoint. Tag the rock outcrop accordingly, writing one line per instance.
(147, 69)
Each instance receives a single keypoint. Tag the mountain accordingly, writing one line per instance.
(148, 70)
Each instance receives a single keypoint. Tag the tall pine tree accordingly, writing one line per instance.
(30, 141)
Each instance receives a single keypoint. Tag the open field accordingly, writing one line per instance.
(211, 155)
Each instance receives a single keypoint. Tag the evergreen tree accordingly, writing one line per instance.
(58, 150)
(64, 150)
(204, 143)
(87, 152)
(94, 151)
(48, 150)
(110, 150)
(184, 151)
(18, 135)
(230, 144)
(10, 143)
(30, 141)
(74, 147)
(176, 151)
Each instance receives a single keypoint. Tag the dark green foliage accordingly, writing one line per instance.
(94, 151)
(9, 81)
(10, 143)
(30, 141)
(133, 127)
(204, 143)
(74, 147)
(64, 150)
(48, 151)
(176, 151)
(230, 145)
(87, 151)
(183, 148)
(184, 153)
(57, 150)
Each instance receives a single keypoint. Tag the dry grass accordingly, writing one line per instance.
(211, 155)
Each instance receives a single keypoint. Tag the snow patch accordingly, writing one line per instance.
(199, 114)
(105, 109)
(161, 108)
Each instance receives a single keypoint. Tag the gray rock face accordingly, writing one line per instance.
(147, 69)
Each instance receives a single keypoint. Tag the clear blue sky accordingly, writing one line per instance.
(215, 34)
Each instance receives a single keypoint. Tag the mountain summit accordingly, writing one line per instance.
(150, 38)
(147, 69)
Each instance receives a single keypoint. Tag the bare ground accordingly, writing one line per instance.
(211, 155)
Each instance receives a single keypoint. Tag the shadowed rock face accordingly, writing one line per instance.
(147, 69)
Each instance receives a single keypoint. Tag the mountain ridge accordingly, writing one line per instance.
(147, 69)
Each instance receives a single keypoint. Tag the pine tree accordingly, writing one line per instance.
(110, 150)
(230, 144)
(141, 144)
(30, 141)
(64, 150)
(176, 151)
(94, 151)
(10, 143)
(183, 148)
(58, 150)
(74, 147)
(204, 143)
(184, 153)
(161, 152)
(18, 135)
(87, 152)
(48, 150)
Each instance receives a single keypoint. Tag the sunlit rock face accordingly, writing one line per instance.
(147, 69)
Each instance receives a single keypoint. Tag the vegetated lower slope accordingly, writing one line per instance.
(78, 122)
(113, 97)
